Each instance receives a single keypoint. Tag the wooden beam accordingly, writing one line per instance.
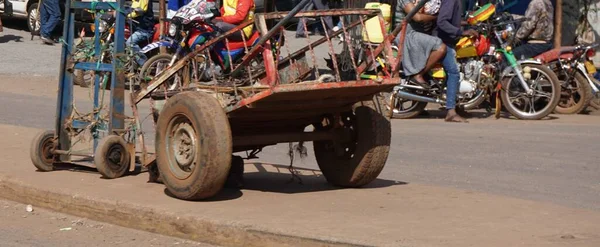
(558, 13)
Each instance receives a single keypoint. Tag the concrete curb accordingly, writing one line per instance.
(147, 219)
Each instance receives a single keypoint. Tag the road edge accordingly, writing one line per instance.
(146, 219)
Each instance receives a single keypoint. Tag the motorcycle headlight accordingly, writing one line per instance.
(172, 30)
(102, 26)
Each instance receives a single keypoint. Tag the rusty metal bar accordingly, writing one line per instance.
(373, 56)
(318, 13)
(312, 51)
(281, 138)
(348, 41)
(401, 29)
(166, 74)
(334, 59)
(317, 43)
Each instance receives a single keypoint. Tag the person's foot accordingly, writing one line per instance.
(47, 41)
(420, 82)
(301, 35)
(453, 117)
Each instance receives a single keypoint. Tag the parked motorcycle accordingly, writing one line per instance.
(527, 89)
(190, 28)
(578, 87)
(85, 50)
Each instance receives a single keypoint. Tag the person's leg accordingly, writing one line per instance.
(303, 21)
(133, 42)
(435, 56)
(452, 84)
(44, 20)
(54, 15)
(319, 5)
(224, 26)
(529, 50)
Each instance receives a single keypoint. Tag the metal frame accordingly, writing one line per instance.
(65, 87)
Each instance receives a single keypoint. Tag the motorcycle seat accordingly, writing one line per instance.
(240, 44)
(565, 52)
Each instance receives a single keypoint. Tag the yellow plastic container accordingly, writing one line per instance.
(465, 48)
(372, 28)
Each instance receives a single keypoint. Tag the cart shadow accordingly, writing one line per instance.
(79, 166)
(278, 179)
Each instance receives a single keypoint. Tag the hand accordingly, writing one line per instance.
(470, 33)
(216, 20)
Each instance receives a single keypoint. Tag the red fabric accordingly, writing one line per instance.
(554, 54)
(243, 8)
(239, 45)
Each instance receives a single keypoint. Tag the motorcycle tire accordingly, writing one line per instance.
(536, 115)
(146, 68)
(415, 110)
(581, 97)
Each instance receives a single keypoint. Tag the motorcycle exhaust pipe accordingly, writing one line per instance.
(410, 96)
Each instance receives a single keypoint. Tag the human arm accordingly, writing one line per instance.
(418, 17)
(532, 16)
(139, 4)
(242, 10)
(444, 19)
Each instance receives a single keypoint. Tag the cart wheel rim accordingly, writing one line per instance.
(115, 157)
(47, 150)
(182, 144)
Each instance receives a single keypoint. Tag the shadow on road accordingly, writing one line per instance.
(278, 179)
(9, 37)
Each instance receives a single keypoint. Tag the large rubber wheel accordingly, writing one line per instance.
(193, 146)
(576, 96)
(41, 150)
(532, 107)
(360, 153)
(111, 157)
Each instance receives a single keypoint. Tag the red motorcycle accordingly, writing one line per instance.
(578, 87)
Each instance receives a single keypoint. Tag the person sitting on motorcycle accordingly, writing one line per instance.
(421, 50)
(233, 13)
(537, 30)
(143, 26)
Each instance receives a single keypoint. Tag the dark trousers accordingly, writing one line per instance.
(530, 50)
(318, 5)
(50, 17)
(236, 36)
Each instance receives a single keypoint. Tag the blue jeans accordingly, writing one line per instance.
(452, 77)
(133, 42)
(50, 17)
(318, 5)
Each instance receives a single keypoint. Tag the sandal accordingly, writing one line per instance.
(422, 84)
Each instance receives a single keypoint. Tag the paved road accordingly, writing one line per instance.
(41, 227)
(553, 160)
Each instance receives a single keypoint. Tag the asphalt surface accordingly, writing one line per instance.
(40, 227)
(554, 160)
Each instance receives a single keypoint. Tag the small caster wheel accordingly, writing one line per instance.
(41, 150)
(111, 157)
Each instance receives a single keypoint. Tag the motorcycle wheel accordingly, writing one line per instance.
(538, 105)
(402, 108)
(575, 97)
(153, 67)
(476, 101)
